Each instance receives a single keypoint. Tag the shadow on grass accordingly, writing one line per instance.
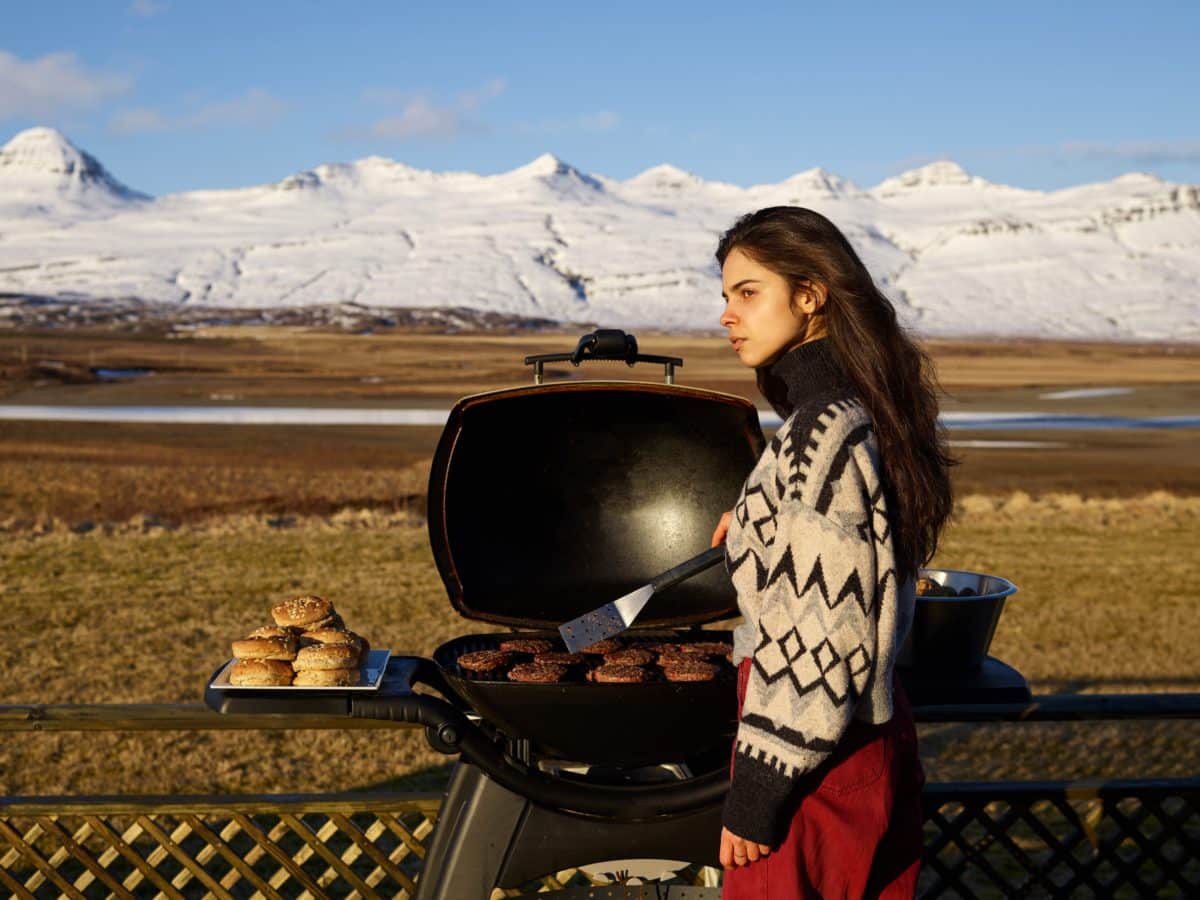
(1082, 683)
(431, 778)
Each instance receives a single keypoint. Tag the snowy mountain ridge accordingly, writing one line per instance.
(959, 256)
(40, 161)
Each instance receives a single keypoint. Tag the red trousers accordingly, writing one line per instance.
(855, 820)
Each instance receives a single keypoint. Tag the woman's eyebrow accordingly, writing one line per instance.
(741, 283)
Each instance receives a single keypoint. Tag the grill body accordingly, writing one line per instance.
(545, 503)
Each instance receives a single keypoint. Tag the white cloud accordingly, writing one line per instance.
(1129, 153)
(42, 87)
(1137, 152)
(422, 117)
(146, 8)
(254, 109)
(472, 100)
(136, 121)
(604, 120)
(419, 118)
(599, 121)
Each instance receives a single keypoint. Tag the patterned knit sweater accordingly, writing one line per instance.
(811, 555)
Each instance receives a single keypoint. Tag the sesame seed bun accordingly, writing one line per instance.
(275, 631)
(309, 611)
(327, 678)
(283, 648)
(332, 636)
(260, 673)
(326, 656)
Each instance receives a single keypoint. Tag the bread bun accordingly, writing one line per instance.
(265, 648)
(327, 678)
(276, 631)
(309, 611)
(337, 636)
(329, 636)
(326, 656)
(260, 672)
(334, 621)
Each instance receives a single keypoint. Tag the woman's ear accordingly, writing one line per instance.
(810, 297)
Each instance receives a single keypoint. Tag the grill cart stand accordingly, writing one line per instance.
(503, 822)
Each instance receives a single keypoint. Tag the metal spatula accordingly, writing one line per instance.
(613, 618)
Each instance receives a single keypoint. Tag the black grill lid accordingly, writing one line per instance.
(546, 502)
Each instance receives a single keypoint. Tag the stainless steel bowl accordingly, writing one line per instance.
(952, 634)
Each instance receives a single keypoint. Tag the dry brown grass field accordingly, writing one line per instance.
(257, 364)
(131, 555)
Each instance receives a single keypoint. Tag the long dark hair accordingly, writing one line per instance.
(894, 377)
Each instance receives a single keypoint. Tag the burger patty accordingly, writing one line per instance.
(694, 670)
(528, 646)
(537, 673)
(562, 658)
(484, 660)
(619, 675)
(629, 657)
(707, 648)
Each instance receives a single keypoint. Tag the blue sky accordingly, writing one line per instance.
(174, 95)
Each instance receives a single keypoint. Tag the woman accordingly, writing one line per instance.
(823, 547)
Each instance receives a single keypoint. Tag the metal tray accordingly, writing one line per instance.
(372, 677)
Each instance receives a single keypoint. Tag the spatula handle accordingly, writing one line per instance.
(693, 566)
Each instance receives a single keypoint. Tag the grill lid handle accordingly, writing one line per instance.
(604, 345)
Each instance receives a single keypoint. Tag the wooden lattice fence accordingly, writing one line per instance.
(1059, 839)
(1129, 839)
(356, 845)
(369, 845)
(1136, 838)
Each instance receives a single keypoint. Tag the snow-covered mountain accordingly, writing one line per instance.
(959, 255)
(42, 169)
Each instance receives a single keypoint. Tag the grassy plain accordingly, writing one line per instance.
(131, 555)
(271, 364)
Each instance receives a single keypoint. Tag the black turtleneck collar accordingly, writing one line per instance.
(806, 374)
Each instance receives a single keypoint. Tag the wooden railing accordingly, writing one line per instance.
(162, 717)
(987, 839)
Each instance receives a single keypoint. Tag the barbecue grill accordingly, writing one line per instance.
(546, 501)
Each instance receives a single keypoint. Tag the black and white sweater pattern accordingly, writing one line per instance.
(811, 555)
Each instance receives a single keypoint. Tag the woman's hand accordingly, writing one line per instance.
(736, 851)
(722, 528)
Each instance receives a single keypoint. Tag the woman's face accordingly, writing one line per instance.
(763, 321)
